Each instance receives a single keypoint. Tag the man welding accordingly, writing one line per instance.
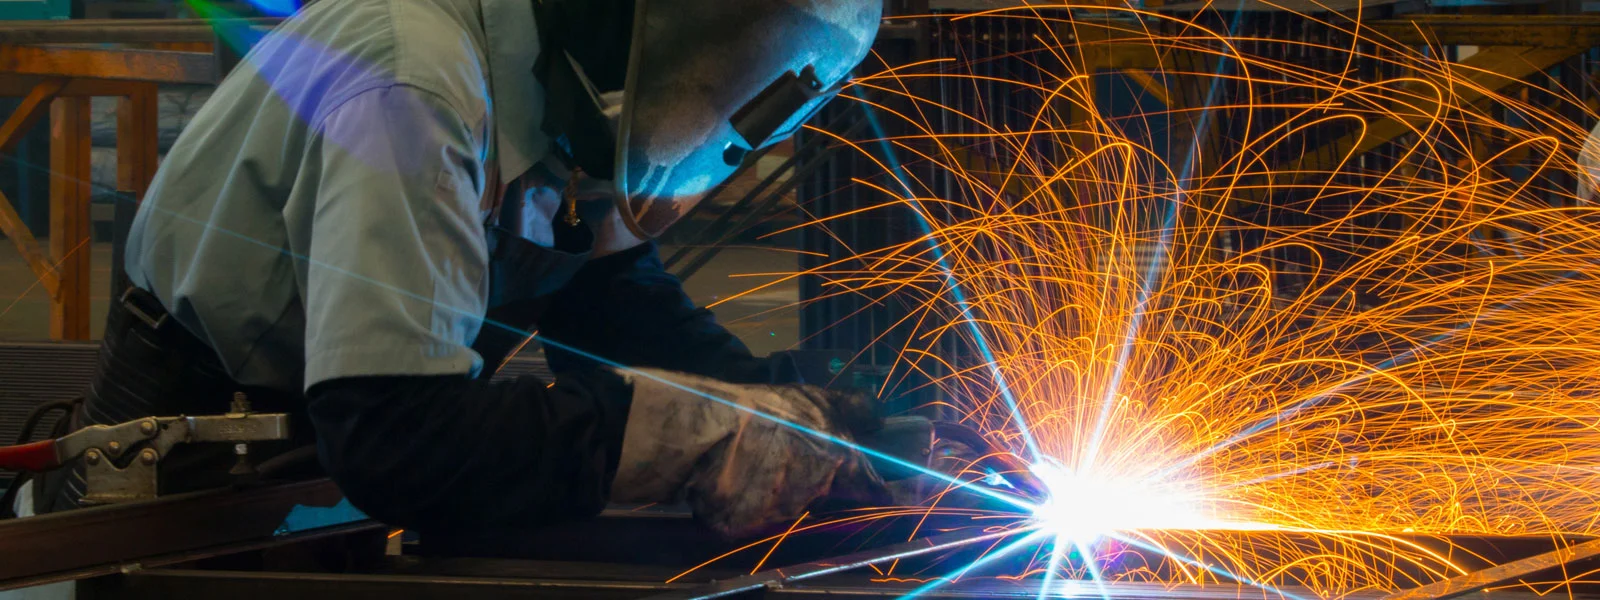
(383, 198)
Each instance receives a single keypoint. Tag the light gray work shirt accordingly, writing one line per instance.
(322, 216)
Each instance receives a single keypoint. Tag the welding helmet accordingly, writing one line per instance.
(706, 82)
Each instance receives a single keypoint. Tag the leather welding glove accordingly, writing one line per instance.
(740, 471)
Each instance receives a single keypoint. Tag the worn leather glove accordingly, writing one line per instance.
(738, 471)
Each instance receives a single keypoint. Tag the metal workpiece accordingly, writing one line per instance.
(569, 580)
(246, 585)
(103, 540)
(162, 584)
(781, 577)
(632, 570)
(1510, 572)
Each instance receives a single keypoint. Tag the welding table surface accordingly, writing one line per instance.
(478, 578)
(630, 553)
(643, 561)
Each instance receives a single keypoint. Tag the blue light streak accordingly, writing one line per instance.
(1051, 566)
(991, 557)
(1210, 568)
(276, 8)
(959, 297)
(1019, 504)
(1157, 262)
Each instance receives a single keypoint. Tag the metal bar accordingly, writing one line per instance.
(69, 217)
(101, 540)
(1550, 31)
(776, 578)
(1483, 578)
(96, 581)
(242, 585)
(160, 66)
(491, 578)
(28, 113)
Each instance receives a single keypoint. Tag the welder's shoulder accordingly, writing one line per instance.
(440, 48)
(360, 45)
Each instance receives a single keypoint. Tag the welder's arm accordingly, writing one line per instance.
(457, 455)
(395, 290)
(447, 453)
(626, 308)
(745, 457)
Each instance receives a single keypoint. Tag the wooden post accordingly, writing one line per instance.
(69, 217)
(32, 108)
(137, 153)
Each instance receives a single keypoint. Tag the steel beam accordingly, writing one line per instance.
(1544, 31)
(162, 584)
(243, 585)
(419, 578)
(1499, 574)
(778, 578)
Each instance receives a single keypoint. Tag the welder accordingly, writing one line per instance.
(385, 196)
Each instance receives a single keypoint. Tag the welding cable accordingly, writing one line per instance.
(8, 501)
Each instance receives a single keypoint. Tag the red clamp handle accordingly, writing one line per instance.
(34, 458)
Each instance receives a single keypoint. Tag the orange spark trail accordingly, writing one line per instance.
(1333, 358)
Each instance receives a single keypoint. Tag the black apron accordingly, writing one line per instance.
(150, 365)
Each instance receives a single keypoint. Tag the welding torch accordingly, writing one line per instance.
(950, 448)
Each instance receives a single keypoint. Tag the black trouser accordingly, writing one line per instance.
(149, 365)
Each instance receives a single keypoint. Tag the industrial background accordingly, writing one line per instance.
(97, 91)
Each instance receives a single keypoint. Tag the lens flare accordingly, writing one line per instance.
(1309, 311)
(1083, 508)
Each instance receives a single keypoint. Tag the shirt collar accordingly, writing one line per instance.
(516, 97)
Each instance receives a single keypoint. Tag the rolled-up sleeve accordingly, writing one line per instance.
(395, 282)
